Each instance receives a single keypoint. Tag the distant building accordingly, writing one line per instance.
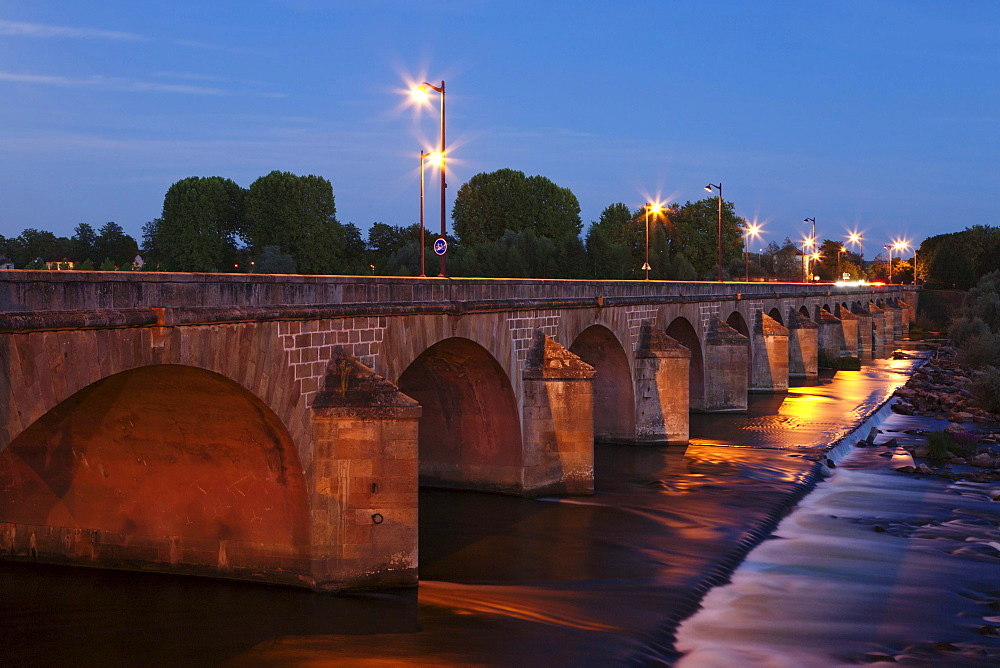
(6, 262)
(59, 263)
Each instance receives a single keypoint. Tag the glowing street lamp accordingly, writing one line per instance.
(856, 238)
(656, 209)
(719, 188)
(899, 247)
(809, 243)
(840, 251)
(421, 92)
(752, 230)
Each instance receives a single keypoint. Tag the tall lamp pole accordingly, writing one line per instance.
(423, 157)
(656, 208)
(422, 88)
(813, 240)
(719, 188)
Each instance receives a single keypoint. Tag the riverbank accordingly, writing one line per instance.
(599, 580)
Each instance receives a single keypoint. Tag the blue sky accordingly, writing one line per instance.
(874, 115)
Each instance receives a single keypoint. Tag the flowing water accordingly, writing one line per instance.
(872, 566)
(601, 580)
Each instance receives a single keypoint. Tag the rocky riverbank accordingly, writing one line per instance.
(967, 448)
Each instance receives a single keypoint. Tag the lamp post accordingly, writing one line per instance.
(807, 258)
(422, 90)
(840, 251)
(856, 238)
(812, 238)
(889, 248)
(423, 157)
(656, 208)
(719, 188)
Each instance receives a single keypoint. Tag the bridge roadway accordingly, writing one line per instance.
(276, 428)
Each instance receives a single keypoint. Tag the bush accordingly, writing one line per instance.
(839, 363)
(945, 445)
(986, 390)
(980, 351)
(940, 443)
(965, 329)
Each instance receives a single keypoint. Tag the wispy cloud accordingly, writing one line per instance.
(20, 29)
(108, 83)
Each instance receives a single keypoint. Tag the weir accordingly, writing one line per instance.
(276, 428)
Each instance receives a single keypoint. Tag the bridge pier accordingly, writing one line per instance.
(558, 421)
(662, 366)
(852, 337)
(881, 326)
(803, 346)
(769, 361)
(865, 332)
(830, 338)
(909, 316)
(362, 481)
(727, 355)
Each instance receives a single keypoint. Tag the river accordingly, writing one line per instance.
(601, 580)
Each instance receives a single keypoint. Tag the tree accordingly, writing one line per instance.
(606, 258)
(112, 243)
(298, 215)
(33, 247)
(694, 232)
(273, 261)
(84, 241)
(492, 203)
(201, 223)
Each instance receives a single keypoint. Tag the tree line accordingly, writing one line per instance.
(504, 224)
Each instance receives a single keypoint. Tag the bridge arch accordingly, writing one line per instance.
(179, 463)
(775, 314)
(614, 388)
(470, 434)
(681, 330)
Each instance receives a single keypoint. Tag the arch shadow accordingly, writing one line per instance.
(680, 330)
(162, 464)
(614, 388)
(470, 434)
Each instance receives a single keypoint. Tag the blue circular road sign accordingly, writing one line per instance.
(440, 246)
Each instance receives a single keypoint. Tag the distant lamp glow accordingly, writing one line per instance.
(752, 230)
(856, 238)
(656, 209)
(899, 246)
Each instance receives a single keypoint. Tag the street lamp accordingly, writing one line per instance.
(656, 208)
(434, 156)
(812, 237)
(752, 230)
(422, 91)
(719, 188)
(840, 251)
(809, 242)
(856, 238)
(899, 247)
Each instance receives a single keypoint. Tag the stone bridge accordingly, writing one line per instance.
(275, 428)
